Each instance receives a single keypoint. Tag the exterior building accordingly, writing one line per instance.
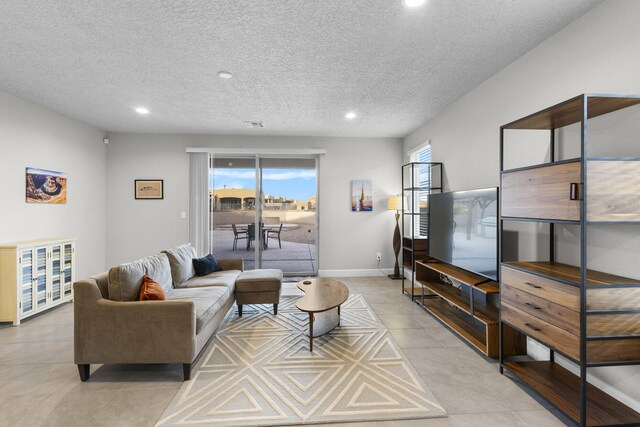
(226, 199)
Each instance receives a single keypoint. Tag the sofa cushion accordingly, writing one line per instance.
(150, 290)
(262, 280)
(207, 301)
(125, 279)
(205, 265)
(157, 267)
(181, 265)
(226, 278)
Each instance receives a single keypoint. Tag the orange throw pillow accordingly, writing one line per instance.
(151, 290)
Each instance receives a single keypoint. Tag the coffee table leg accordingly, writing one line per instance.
(338, 315)
(310, 331)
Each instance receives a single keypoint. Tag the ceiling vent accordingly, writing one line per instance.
(254, 125)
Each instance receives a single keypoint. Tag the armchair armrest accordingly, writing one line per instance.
(231, 264)
(108, 331)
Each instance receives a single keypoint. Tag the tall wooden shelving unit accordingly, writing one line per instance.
(419, 180)
(590, 318)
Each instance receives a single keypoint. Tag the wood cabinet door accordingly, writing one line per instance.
(542, 192)
(613, 188)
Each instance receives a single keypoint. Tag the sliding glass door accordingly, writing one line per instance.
(265, 210)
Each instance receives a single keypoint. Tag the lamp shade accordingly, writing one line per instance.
(394, 203)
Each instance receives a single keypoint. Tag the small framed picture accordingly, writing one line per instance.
(361, 195)
(149, 189)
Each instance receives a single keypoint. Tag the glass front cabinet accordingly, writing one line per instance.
(35, 276)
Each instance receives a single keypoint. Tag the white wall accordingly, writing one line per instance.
(32, 136)
(598, 53)
(348, 240)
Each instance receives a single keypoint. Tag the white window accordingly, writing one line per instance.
(421, 153)
(422, 180)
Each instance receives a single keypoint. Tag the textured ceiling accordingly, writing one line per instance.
(298, 65)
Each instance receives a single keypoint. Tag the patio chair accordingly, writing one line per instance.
(251, 231)
(274, 234)
(238, 235)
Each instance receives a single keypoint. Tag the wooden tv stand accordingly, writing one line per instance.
(466, 310)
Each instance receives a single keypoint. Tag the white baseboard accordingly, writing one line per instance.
(364, 272)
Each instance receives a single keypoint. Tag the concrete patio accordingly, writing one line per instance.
(292, 258)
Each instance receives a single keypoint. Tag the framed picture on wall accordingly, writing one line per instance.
(45, 186)
(361, 195)
(149, 189)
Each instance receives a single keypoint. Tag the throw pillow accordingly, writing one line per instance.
(151, 290)
(206, 265)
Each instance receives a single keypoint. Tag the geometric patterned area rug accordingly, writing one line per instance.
(258, 371)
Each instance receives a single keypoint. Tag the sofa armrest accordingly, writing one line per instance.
(231, 264)
(133, 331)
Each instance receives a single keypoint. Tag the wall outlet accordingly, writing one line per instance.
(378, 256)
(183, 215)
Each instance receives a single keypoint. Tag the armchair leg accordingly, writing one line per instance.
(275, 309)
(239, 310)
(83, 370)
(186, 370)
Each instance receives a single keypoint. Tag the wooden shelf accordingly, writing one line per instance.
(562, 389)
(464, 276)
(417, 244)
(471, 331)
(485, 313)
(488, 288)
(588, 316)
(571, 111)
(453, 306)
(478, 282)
(571, 274)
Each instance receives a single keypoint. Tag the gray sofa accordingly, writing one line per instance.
(112, 326)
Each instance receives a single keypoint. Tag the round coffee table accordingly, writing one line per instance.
(322, 299)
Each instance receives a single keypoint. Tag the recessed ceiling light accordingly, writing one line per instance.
(142, 110)
(224, 74)
(350, 115)
(413, 3)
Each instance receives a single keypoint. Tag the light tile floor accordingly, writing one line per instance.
(39, 384)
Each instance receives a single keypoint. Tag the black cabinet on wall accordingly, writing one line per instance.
(589, 317)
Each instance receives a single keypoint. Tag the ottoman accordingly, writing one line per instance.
(258, 287)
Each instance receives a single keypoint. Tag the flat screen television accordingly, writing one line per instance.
(463, 229)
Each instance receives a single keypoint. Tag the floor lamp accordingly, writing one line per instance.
(395, 204)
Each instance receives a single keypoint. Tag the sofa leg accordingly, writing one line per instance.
(83, 370)
(186, 370)
(239, 310)
(275, 309)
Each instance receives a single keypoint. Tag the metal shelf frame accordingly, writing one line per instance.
(576, 110)
(413, 187)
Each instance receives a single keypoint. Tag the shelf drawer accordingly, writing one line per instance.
(613, 299)
(556, 292)
(613, 197)
(599, 325)
(543, 331)
(612, 350)
(541, 192)
(543, 309)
